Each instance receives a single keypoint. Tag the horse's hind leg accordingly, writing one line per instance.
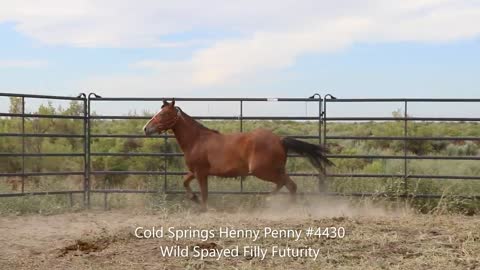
(277, 188)
(291, 186)
(186, 183)
(280, 179)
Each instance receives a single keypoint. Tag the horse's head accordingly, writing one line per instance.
(164, 120)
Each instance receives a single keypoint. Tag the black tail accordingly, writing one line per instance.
(314, 153)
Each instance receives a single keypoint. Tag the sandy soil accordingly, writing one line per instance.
(375, 239)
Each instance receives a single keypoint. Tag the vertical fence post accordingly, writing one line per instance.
(105, 201)
(321, 179)
(320, 119)
(325, 133)
(321, 184)
(23, 144)
(165, 165)
(88, 156)
(70, 197)
(87, 172)
(241, 130)
(324, 114)
(85, 150)
(88, 152)
(405, 161)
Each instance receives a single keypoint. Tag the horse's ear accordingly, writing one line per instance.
(173, 102)
(165, 103)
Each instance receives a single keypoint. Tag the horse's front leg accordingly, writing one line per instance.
(203, 182)
(186, 183)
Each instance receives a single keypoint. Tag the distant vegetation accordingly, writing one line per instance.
(344, 185)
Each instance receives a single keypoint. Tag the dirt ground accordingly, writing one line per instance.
(374, 239)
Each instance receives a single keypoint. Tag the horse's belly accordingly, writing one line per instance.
(229, 169)
(229, 160)
(228, 175)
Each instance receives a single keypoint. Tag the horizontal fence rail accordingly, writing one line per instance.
(88, 118)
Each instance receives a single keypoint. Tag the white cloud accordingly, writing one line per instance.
(237, 59)
(269, 35)
(22, 63)
(123, 23)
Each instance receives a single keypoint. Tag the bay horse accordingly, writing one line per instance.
(208, 152)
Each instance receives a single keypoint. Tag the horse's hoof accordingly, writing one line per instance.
(293, 200)
(193, 198)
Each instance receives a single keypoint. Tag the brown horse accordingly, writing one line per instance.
(208, 152)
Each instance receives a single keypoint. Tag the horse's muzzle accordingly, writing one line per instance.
(148, 131)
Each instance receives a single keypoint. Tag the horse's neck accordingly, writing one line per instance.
(187, 131)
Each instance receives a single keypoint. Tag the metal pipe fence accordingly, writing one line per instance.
(24, 135)
(87, 135)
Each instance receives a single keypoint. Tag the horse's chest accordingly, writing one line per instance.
(195, 160)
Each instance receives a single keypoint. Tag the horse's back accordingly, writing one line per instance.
(257, 139)
(240, 153)
(267, 143)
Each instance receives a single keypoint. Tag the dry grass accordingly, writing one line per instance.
(376, 238)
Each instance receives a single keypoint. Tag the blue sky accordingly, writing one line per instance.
(424, 48)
